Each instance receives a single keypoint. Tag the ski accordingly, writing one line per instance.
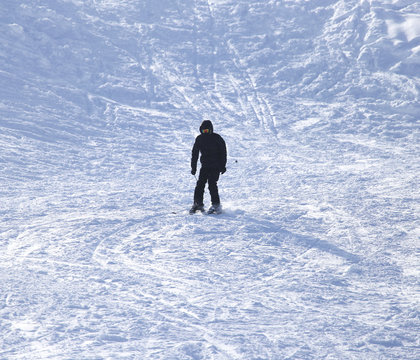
(213, 210)
(192, 212)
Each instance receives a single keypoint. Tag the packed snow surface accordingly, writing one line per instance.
(316, 255)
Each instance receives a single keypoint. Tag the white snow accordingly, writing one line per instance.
(408, 27)
(316, 255)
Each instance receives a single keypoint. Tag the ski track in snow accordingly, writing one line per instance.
(316, 255)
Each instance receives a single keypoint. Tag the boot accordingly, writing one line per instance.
(215, 209)
(197, 207)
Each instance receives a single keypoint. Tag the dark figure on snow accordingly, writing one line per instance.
(213, 162)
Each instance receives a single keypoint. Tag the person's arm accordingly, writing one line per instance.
(223, 156)
(194, 157)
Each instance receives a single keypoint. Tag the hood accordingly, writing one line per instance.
(206, 124)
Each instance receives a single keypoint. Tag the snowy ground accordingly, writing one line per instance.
(317, 253)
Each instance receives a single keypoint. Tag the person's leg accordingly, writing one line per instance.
(213, 177)
(199, 188)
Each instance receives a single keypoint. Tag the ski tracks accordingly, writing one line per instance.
(254, 104)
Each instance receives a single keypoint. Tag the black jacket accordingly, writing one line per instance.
(212, 148)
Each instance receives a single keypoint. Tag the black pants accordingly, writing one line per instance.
(211, 176)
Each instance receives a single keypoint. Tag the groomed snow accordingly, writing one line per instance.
(316, 255)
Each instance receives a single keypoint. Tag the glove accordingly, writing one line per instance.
(223, 170)
(193, 171)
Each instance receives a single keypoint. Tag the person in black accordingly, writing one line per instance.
(213, 162)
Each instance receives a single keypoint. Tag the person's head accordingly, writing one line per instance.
(206, 127)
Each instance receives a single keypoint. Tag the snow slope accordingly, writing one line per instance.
(317, 253)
